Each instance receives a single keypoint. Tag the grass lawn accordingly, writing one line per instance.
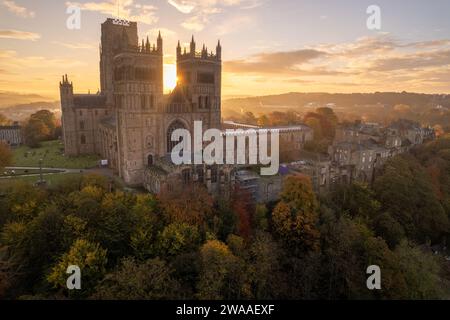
(51, 152)
(52, 179)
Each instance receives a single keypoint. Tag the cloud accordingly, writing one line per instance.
(413, 61)
(364, 64)
(128, 10)
(182, 6)
(165, 33)
(12, 61)
(76, 45)
(19, 35)
(195, 23)
(202, 10)
(277, 62)
(18, 10)
(237, 23)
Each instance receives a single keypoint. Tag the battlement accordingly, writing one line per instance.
(202, 55)
(120, 22)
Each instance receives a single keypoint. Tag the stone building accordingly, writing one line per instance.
(130, 121)
(11, 135)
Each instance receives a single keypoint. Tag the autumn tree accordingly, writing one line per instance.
(295, 216)
(35, 131)
(4, 121)
(6, 156)
(216, 265)
(89, 257)
(132, 280)
(48, 118)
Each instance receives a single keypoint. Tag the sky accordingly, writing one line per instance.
(269, 46)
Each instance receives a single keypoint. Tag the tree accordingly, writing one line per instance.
(421, 273)
(149, 280)
(192, 205)
(48, 118)
(263, 121)
(35, 131)
(295, 217)
(4, 121)
(357, 200)
(216, 265)
(267, 279)
(405, 191)
(89, 257)
(5, 155)
(177, 238)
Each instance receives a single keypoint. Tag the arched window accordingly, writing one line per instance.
(83, 139)
(177, 124)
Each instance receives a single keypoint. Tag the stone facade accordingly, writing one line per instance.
(130, 121)
(11, 135)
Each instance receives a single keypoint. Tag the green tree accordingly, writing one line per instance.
(406, 192)
(216, 265)
(177, 238)
(149, 280)
(89, 257)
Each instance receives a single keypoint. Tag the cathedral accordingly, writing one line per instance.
(129, 122)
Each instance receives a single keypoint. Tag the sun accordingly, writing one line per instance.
(170, 77)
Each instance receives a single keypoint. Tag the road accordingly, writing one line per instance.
(102, 171)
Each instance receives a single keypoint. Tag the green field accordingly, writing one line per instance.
(52, 155)
(52, 179)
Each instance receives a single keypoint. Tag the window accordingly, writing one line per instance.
(83, 139)
(200, 105)
(81, 125)
(204, 77)
(186, 173)
(81, 112)
(177, 124)
(150, 160)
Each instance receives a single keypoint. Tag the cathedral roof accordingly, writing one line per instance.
(89, 100)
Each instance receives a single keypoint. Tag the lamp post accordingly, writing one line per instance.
(40, 172)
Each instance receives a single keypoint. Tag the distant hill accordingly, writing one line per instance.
(296, 99)
(8, 99)
(21, 112)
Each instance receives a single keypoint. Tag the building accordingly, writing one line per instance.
(130, 121)
(11, 135)
(359, 149)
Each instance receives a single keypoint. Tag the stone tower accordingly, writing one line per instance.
(114, 33)
(200, 76)
(68, 115)
(138, 93)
